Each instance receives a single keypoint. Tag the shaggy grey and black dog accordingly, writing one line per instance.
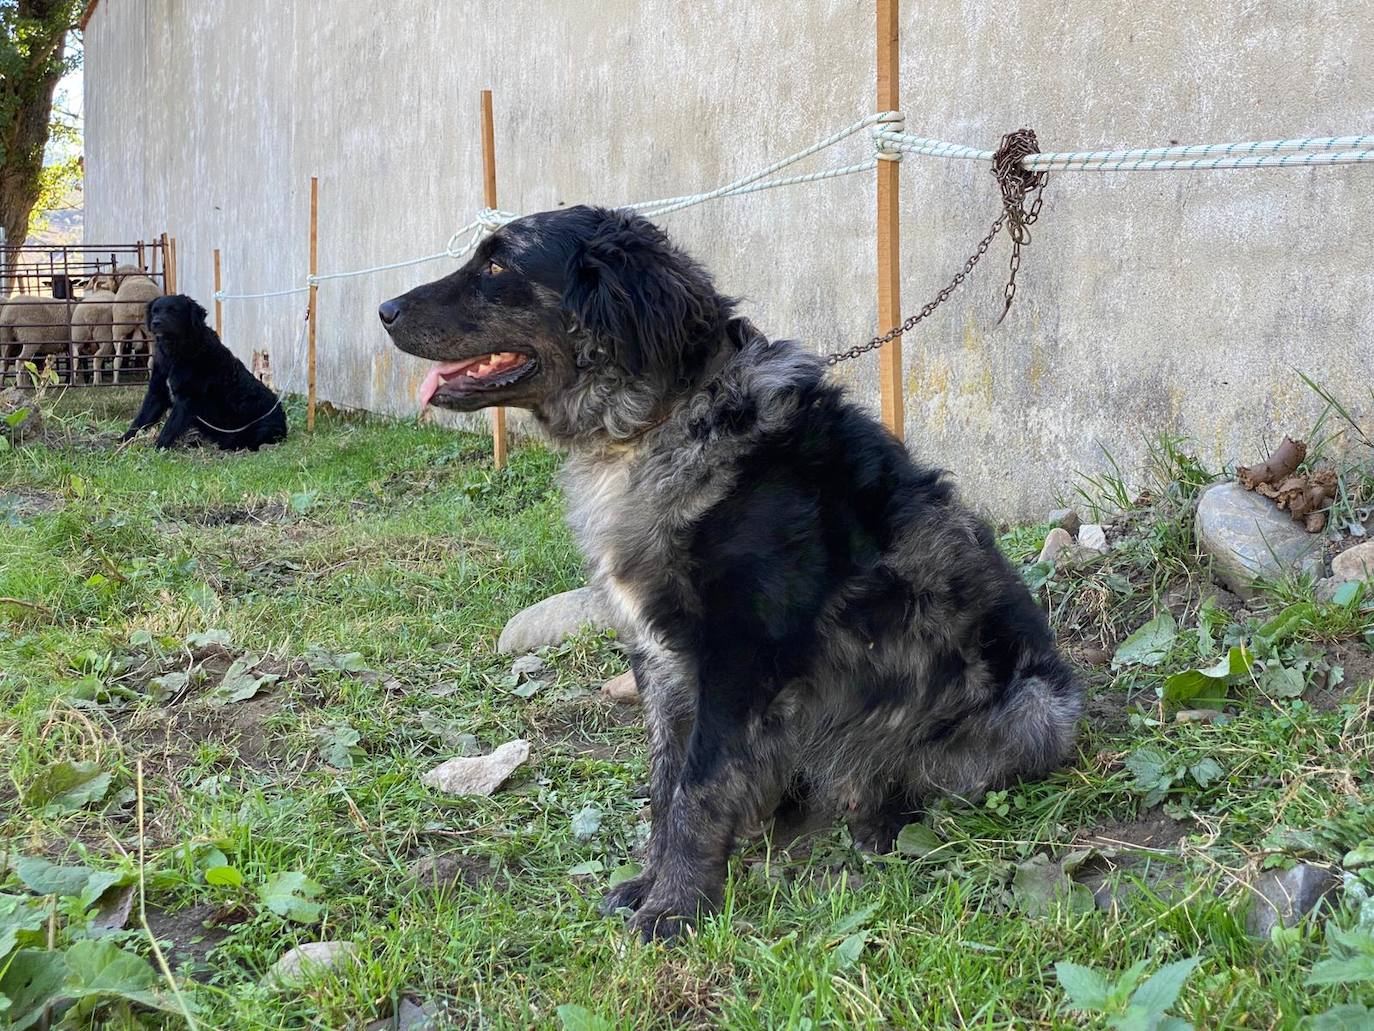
(816, 624)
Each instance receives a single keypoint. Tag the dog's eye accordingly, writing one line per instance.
(494, 268)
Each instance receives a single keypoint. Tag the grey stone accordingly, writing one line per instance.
(1283, 897)
(1249, 538)
(1355, 563)
(478, 774)
(309, 960)
(1055, 542)
(409, 1016)
(1326, 588)
(1066, 519)
(1093, 537)
(1116, 883)
(553, 620)
(623, 689)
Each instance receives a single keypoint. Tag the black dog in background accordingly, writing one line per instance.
(204, 385)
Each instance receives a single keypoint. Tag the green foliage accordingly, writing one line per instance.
(1124, 1005)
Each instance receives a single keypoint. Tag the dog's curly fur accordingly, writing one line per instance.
(204, 385)
(816, 623)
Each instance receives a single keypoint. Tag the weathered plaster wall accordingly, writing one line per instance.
(1164, 302)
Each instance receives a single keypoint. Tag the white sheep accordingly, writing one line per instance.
(30, 328)
(93, 323)
(131, 311)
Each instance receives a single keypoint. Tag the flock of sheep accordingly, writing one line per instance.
(104, 324)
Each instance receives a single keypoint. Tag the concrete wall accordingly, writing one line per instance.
(1148, 302)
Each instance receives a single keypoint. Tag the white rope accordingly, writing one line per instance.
(665, 205)
(1308, 151)
(221, 295)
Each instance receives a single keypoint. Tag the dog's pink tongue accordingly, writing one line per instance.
(437, 376)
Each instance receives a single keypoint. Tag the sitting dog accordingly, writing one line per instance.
(814, 620)
(204, 385)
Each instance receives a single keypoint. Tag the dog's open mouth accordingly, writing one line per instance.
(484, 372)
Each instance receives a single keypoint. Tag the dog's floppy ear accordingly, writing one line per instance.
(645, 300)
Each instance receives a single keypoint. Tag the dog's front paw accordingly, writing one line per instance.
(661, 923)
(627, 894)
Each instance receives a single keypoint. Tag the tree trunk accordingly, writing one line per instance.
(24, 135)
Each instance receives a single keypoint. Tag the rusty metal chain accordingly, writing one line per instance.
(1017, 184)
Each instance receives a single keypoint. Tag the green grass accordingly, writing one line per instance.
(398, 543)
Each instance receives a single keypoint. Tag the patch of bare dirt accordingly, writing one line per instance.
(262, 511)
(1153, 831)
(1356, 660)
(445, 871)
(193, 933)
(175, 732)
(29, 503)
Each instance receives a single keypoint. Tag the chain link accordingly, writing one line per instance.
(1016, 183)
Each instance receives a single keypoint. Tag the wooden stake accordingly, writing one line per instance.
(498, 424)
(161, 246)
(172, 267)
(219, 305)
(889, 226)
(310, 314)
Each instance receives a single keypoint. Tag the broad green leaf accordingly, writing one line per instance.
(1288, 622)
(591, 866)
(67, 786)
(1206, 773)
(344, 662)
(101, 969)
(1160, 990)
(1149, 645)
(339, 744)
(240, 683)
(1282, 682)
(206, 638)
(624, 872)
(1041, 887)
(1348, 593)
(848, 951)
(845, 924)
(586, 823)
(1352, 970)
(166, 686)
(528, 689)
(1207, 686)
(47, 878)
(291, 895)
(918, 840)
(224, 877)
(1348, 1017)
(1085, 987)
(20, 918)
(99, 882)
(1361, 855)
(32, 980)
(1037, 575)
(579, 1018)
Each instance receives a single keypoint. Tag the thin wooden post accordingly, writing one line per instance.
(172, 266)
(163, 251)
(219, 305)
(498, 423)
(310, 314)
(889, 225)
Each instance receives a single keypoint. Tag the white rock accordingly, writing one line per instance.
(1355, 563)
(1055, 542)
(309, 960)
(1093, 537)
(1249, 538)
(623, 688)
(553, 620)
(478, 774)
(528, 666)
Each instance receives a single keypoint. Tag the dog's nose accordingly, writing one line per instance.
(389, 311)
